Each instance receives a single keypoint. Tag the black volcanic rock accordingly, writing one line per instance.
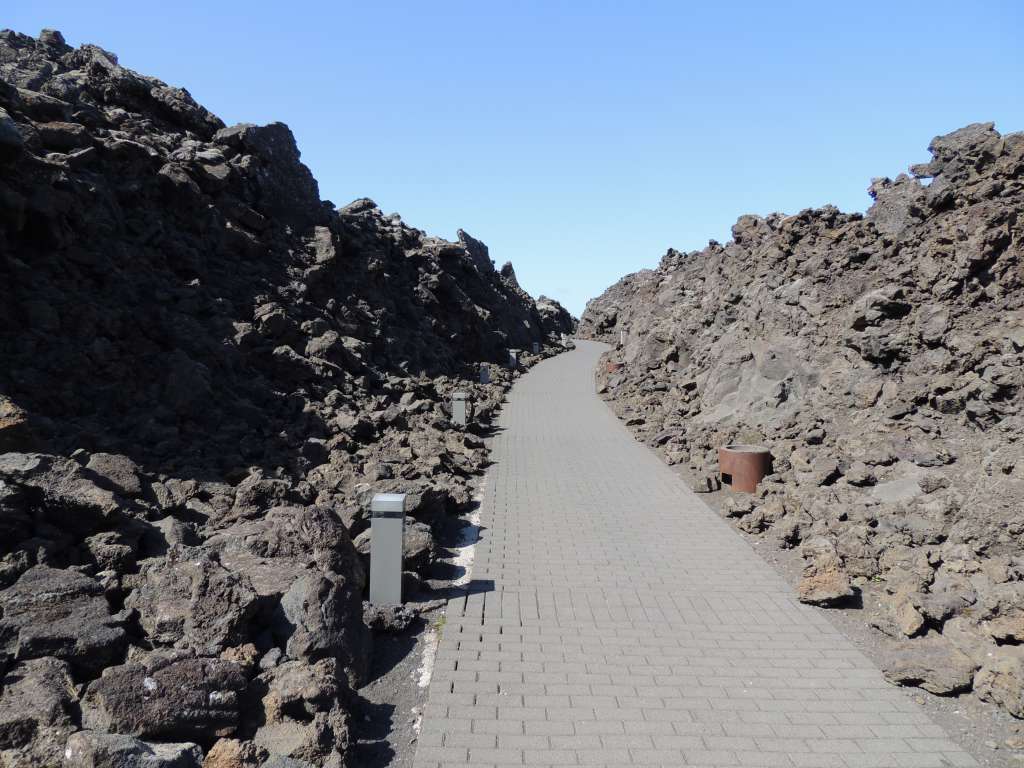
(206, 372)
(60, 613)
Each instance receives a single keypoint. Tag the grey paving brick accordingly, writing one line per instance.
(613, 619)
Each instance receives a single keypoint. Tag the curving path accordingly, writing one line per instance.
(613, 619)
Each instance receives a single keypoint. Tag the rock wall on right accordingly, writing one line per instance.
(880, 357)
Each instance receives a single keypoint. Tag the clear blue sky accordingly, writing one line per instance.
(580, 140)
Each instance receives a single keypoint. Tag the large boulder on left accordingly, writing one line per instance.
(61, 613)
(166, 696)
(311, 612)
(92, 749)
(36, 713)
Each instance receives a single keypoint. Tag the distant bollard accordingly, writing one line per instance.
(565, 340)
(513, 358)
(485, 374)
(387, 530)
(622, 338)
(459, 408)
(536, 347)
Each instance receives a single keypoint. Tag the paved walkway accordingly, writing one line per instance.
(615, 620)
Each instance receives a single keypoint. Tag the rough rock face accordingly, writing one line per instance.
(554, 318)
(206, 372)
(881, 358)
(37, 712)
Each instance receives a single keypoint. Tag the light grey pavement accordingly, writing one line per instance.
(616, 620)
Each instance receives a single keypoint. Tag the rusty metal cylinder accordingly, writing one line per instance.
(743, 466)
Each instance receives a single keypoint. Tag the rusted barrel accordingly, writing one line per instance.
(743, 466)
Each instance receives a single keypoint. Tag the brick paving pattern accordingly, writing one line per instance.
(613, 619)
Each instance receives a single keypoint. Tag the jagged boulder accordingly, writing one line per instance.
(189, 600)
(311, 613)
(170, 697)
(61, 613)
(37, 712)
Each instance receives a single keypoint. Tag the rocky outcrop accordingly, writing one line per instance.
(206, 372)
(881, 358)
(554, 318)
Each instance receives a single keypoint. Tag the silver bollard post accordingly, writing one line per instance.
(513, 358)
(536, 347)
(485, 374)
(459, 408)
(387, 531)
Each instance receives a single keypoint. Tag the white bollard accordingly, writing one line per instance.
(459, 408)
(387, 531)
(485, 374)
(622, 338)
(536, 347)
(565, 340)
(513, 358)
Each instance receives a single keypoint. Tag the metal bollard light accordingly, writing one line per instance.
(485, 374)
(387, 531)
(459, 408)
(536, 347)
(513, 358)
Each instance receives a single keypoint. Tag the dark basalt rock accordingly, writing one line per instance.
(37, 712)
(206, 372)
(168, 697)
(61, 613)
